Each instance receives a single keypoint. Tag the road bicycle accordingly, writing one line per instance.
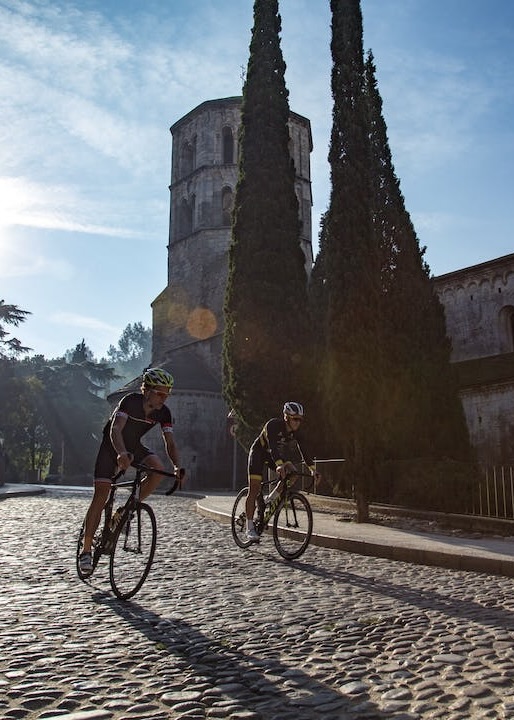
(128, 536)
(290, 510)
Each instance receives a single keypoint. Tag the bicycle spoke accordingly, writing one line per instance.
(133, 552)
(292, 526)
(238, 520)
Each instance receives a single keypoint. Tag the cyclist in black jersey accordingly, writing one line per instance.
(276, 445)
(121, 445)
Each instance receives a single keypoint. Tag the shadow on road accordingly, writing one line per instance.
(253, 685)
(488, 615)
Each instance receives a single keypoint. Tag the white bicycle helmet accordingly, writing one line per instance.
(293, 409)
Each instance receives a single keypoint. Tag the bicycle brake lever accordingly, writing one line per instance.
(173, 488)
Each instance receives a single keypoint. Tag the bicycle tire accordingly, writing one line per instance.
(133, 551)
(238, 520)
(292, 525)
(95, 551)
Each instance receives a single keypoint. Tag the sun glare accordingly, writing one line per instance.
(5, 248)
(15, 198)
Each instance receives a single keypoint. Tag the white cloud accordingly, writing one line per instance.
(84, 322)
(29, 204)
(432, 105)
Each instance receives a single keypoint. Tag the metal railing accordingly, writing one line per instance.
(494, 494)
(491, 494)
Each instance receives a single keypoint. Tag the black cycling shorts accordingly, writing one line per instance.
(258, 458)
(106, 465)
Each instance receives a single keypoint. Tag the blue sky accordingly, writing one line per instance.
(89, 89)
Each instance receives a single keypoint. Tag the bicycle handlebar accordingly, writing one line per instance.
(141, 466)
(298, 473)
(178, 477)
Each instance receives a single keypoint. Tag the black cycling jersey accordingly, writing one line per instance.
(131, 407)
(276, 444)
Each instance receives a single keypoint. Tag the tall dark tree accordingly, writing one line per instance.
(266, 302)
(387, 356)
(346, 278)
(421, 413)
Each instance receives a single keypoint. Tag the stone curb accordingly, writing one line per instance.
(427, 556)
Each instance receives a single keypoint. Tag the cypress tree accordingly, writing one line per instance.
(419, 381)
(389, 388)
(266, 300)
(346, 279)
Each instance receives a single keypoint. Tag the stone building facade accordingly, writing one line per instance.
(479, 309)
(187, 322)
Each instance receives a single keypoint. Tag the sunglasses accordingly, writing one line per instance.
(161, 393)
(295, 419)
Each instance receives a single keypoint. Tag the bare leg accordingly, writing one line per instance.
(152, 480)
(254, 486)
(94, 513)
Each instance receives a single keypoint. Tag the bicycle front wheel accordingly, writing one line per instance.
(292, 526)
(133, 551)
(238, 519)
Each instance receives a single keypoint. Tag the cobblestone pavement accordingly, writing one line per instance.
(217, 632)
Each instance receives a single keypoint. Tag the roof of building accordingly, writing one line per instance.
(233, 100)
(189, 371)
(494, 264)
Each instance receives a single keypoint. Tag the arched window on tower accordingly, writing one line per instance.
(506, 318)
(186, 218)
(187, 164)
(227, 200)
(228, 145)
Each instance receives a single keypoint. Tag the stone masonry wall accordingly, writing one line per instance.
(479, 305)
(479, 309)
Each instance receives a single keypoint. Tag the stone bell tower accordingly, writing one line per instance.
(188, 314)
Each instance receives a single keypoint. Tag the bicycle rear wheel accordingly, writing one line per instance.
(238, 519)
(133, 551)
(292, 525)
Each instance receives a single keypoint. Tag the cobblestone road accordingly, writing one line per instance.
(220, 633)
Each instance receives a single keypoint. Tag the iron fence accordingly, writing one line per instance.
(490, 494)
(493, 495)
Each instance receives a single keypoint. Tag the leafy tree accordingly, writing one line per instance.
(134, 344)
(25, 441)
(73, 409)
(133, 353)
(11, 315)
(25, 435)
(266, 302)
